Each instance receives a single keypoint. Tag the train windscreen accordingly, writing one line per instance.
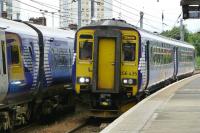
(128, 52)
(85, 49)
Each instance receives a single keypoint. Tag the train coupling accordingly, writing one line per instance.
(105, 100)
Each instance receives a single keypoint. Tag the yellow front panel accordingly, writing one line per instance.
(16, 70)
(129, 69)
(106, 67)
(84, 68)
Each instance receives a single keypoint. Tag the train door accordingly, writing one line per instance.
(16, 70)
(106, 68)
(176, 60)
(106, 63)
(3, 67)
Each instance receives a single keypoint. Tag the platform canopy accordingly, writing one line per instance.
(190, 2)
(191, 9)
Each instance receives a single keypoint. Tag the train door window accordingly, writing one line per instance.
(128, 53)
(85, 50)
(14, 54)
(3, 56)
(30, 49)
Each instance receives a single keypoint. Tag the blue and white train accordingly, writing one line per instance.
(35, 69)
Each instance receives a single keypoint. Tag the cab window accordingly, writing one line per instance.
(85, 50)
(14, 54)
(128, 52)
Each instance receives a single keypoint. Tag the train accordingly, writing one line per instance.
(36, 72)
(117, 63)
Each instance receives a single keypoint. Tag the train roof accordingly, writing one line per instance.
(56, 33)
(165, 39)
(16, 27)
(143, 33)
(21, 28)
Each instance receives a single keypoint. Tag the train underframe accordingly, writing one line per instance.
(110, 105)
(41, 108)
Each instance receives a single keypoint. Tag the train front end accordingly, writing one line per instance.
(106, 68)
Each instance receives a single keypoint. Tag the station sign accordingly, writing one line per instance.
(191, 11)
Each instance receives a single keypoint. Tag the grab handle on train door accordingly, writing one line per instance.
(113, 63)
(90, 70)
(91, 62)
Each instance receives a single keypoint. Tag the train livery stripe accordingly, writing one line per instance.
(47, 68)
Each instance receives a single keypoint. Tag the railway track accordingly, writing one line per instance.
(26, 128)
(197, 71)
(92, 125)
(82, 125)
(63, 123)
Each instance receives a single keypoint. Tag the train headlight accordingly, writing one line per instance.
(129, 81)
(87, 80)
(16, 82)
(125, 81)
(83, 80)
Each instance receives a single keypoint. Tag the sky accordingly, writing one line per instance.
(128, 10)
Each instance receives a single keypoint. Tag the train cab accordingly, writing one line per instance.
(107, 65)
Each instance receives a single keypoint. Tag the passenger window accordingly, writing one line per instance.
(128, 52)
(15, 54)
(85, 50)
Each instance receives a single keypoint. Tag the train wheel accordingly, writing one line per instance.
(7, 124)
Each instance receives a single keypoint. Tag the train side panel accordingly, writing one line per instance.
(3, 68)
(185, 61)
(58, 55)
(161, 62)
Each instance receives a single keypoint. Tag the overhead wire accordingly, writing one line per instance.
(131, 7)
(75, 14)
(134, 14)
(129, 13)
(39, 8)
(179, 16)
(56, 15)
(46, 5)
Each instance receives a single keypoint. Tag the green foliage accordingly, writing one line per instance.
(198, 62)
(175, 33)
(192, 38)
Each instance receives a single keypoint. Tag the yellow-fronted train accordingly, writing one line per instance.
(115, 63)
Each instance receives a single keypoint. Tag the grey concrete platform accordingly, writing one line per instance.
(174, 109)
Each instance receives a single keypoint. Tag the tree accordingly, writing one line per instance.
(175, 33)
(194, 39)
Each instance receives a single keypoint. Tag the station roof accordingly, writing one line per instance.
(190, 2)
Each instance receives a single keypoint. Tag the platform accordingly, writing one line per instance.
(174, 109)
